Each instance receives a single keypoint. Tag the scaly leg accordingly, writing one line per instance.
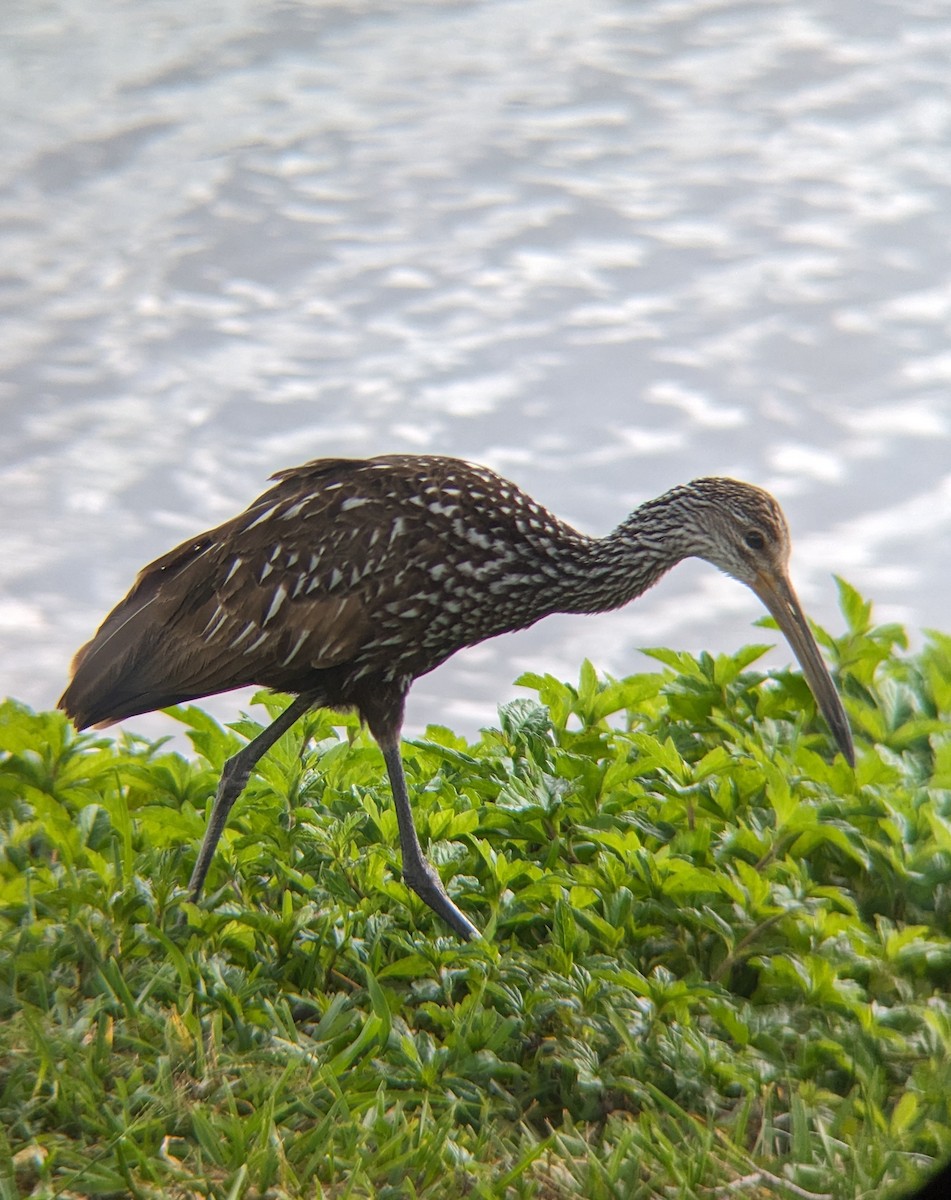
(234, 776)
(418, 874)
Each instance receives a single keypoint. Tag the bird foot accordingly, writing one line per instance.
(424, 881)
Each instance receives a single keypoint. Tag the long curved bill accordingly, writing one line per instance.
(777, 594)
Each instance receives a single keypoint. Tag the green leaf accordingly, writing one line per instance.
(380, 1004)
(904, 1113)
(855, 609)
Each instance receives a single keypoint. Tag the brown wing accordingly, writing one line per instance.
(255, 601)
(387, 565)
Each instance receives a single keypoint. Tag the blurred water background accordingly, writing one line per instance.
(602, 246)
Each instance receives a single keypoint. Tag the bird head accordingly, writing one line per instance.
(742, 530)
(738, 527)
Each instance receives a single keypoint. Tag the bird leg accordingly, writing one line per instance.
(418, 874)
(234, 777)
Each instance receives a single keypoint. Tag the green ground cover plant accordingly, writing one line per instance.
(717, 961)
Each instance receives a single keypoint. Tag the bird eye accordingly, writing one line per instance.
(755, 540)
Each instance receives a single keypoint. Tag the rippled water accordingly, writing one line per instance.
(603, 247)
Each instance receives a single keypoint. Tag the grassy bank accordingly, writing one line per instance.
(717, 963)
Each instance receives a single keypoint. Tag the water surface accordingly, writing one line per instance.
(603, 247)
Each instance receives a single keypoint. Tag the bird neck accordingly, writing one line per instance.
(613, 570)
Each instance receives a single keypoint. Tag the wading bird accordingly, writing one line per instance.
(351, 577)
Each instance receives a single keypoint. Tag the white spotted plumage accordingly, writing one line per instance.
(349, 570)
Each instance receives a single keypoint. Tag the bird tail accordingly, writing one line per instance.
(132, 664)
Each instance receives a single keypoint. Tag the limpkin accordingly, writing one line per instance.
(351, 577)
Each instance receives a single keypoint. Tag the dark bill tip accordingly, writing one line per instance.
(777, 594)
